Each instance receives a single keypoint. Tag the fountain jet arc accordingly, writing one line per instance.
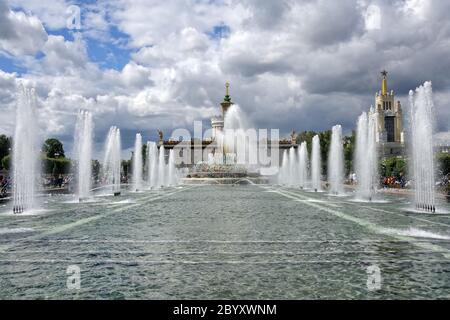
(316, 165)
(83, 152)
(137, 163)
(152, 161)
(283, 175)
(336, 162)
(111, 161)
(366, 159)
(303, 165)
(162, 167)
(25, 152)
(422, 155)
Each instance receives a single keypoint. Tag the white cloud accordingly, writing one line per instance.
(291, 64)
(53, 13)
(20, 34)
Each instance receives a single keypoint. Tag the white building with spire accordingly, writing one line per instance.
(390, 135)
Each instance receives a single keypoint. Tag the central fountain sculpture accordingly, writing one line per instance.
(25, 152)
(83, 151)
(336, 162)
(422, 154)
(366, 159)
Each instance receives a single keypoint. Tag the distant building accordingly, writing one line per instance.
(442, 148)
(389, 135)
(190, 147)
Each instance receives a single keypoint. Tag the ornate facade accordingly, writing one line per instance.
(390, 136)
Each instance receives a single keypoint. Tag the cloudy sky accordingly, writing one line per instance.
(149, 64)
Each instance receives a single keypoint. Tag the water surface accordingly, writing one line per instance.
(223, 242)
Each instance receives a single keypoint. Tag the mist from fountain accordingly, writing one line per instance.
(137, 163)
(366, 157)
(25, 152)
(239, 146)
(316, 165)
(111, 161)
(83, 153)
(303, 165)
(422, 154)
(336, 162)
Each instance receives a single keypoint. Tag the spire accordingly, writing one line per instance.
(384, 87)
(227, 94)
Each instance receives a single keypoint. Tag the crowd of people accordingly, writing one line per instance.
(5, 185)
(48, 182)
(385, 182)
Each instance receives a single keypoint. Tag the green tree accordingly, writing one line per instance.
(325, 142)
(53, 148)
(5, 148)
(306, 136)
(349, 148)
(96, 167)
(444, 163)
(56, 166)
(6, 162)
(394, 166)
(144, 154)
(126, 167)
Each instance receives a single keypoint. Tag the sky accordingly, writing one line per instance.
(148, 65)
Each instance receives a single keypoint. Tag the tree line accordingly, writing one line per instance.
(54, 160)
(391, 166)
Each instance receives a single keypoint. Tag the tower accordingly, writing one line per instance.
(217, 122)
(389, 119)
(226, 104)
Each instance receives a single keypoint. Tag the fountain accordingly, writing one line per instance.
(316, 165)
(83, 152)
(239, 146)
(152, 161)
(162, 167)
(422, 147)
(283, 174)
(303, 165)
(366, 159)
(172, 176)
(137, 163)
(111, 161)
(336, 162)
(288, 173)
(25, 152)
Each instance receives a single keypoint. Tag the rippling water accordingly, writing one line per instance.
(222, 242)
